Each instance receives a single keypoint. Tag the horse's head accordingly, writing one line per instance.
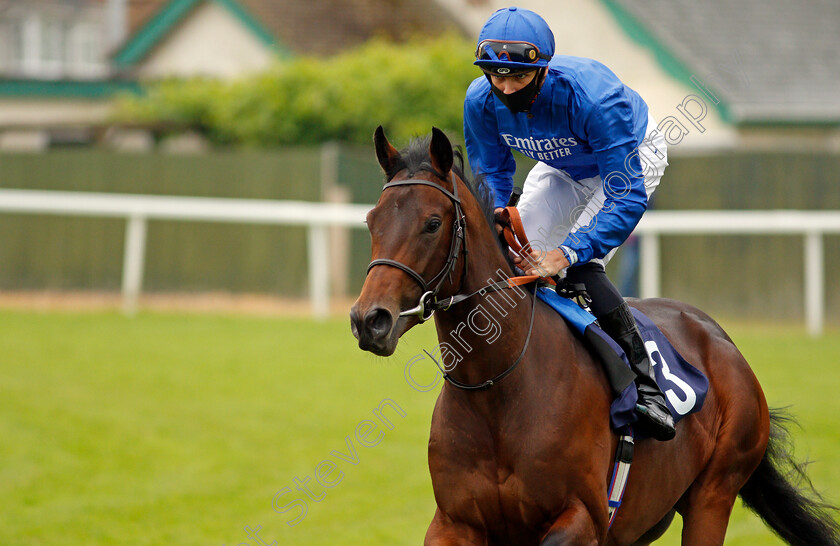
(417, 236)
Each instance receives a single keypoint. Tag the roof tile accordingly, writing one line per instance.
(770, 60)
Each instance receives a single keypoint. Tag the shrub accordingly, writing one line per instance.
(406, 87)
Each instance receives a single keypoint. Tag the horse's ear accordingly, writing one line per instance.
(385, 153)
(440, 150)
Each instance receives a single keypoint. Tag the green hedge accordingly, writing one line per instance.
(406, 87)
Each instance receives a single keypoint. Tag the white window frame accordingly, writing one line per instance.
(85, 36)
(79, 53)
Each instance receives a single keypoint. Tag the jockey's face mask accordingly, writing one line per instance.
(521, 100)
(506, 59)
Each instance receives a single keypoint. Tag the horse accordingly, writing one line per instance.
(520, 447)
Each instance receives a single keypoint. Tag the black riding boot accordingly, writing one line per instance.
(654, 416)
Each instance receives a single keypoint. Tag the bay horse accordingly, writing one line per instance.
(522, 453)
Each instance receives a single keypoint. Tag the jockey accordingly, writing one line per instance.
(599, 159)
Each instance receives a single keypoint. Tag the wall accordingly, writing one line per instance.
(210, 42)
(48, 112)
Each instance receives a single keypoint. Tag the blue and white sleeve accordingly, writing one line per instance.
(609, 129)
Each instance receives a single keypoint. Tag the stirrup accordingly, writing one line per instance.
(574, 291)
(659, 427)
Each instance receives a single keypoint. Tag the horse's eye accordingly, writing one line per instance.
(433, 225)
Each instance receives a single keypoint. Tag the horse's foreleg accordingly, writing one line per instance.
(445, 532)
(575, 526)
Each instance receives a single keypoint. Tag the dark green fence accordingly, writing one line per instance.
(52, 252)
(748, 275)
(738, 275)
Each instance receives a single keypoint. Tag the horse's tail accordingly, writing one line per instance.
(780, 492)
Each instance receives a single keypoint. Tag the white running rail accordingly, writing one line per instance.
(317, 217)
(812, 225)
(139, 209)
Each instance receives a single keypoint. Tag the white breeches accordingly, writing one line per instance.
(553, 204)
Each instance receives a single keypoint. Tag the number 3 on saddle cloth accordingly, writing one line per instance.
(684, 385)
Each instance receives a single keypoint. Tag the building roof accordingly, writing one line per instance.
(300, 26)
(769, 61)
(160, 23)
(80, 89)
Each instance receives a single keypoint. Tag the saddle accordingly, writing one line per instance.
(684, 386)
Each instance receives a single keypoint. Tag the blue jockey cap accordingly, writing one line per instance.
(503, 42)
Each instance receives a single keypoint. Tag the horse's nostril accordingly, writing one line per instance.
(355, 322)
(379, 322)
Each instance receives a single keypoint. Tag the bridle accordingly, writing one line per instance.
(429, 303)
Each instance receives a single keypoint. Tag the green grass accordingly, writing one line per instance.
(180, 429)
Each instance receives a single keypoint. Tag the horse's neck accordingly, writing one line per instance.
(484, 338)
(487, 263)
(484, 335)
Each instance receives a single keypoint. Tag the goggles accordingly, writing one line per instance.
(516, 52)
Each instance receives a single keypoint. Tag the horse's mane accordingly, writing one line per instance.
(415, 158)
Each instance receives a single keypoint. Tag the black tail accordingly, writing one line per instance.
(780, 492)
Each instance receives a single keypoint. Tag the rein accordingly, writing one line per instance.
(490, 382)
(514, 233)
(429, 302)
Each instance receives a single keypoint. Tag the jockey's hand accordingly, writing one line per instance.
(544, 264)
(499, 225)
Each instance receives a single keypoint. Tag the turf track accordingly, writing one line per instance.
(181, 429)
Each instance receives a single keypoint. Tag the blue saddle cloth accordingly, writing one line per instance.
(684, 386)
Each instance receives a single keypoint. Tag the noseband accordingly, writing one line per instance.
(429, 303)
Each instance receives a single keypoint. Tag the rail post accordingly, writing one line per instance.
(814, 276)
(649, 265)
(319, 270)
(134, 256)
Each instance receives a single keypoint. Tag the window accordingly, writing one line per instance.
(52, 43)
(4, 47)
(14, 57)
(86, 46)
